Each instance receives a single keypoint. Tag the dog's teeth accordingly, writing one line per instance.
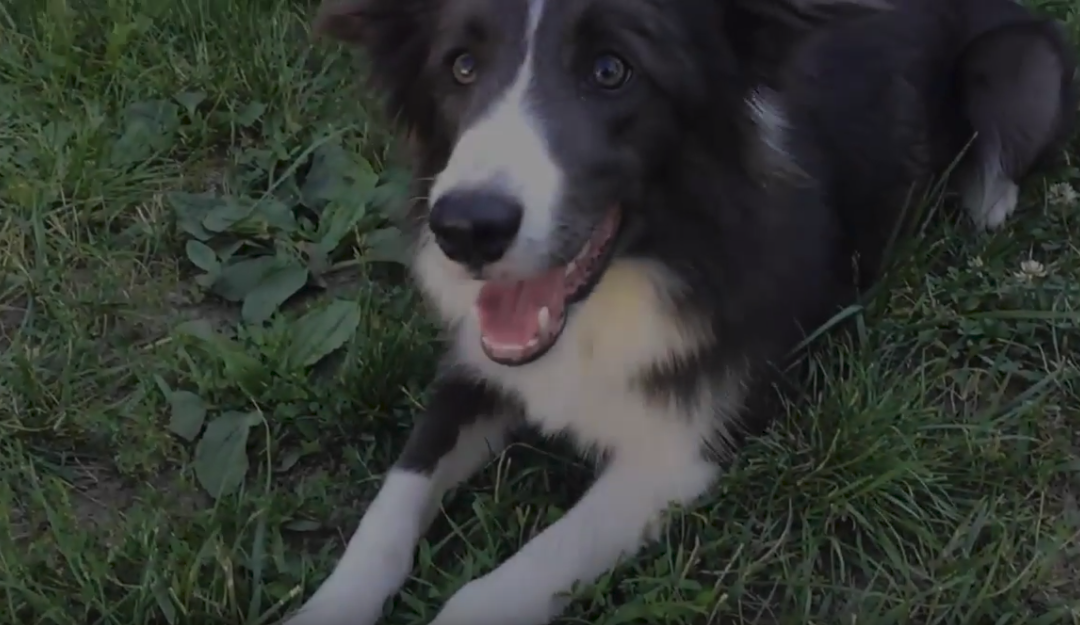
(502, 350)
(543, 318)
(570, 268)
(532, 343)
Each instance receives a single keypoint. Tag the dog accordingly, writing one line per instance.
(630, 210)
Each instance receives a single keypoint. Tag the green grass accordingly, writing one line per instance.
(174, 448)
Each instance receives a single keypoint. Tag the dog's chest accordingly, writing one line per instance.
(587, 385)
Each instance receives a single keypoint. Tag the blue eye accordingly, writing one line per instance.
(464, 69)
(610, 72)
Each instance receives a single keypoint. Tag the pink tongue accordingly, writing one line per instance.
(509, 310)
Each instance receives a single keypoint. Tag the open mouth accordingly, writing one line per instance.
(521, 320)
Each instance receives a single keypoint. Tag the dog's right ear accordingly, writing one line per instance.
(396, 36)
(341, 20)
(355, 22)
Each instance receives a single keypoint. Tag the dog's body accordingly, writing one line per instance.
(630, 213)
(896, 97)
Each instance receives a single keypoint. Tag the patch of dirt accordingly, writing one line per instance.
(12, 314)
(103, 497)
(151, 302)
(185, 304)
(20, 525)
(100, 499)
(1063, 585)
(1068, 568)
(188, 302)
(1064, 579)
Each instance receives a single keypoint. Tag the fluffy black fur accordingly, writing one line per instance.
(893, 99)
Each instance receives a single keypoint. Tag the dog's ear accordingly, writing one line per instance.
(342, 20)
(365, 22)
(764, 33)
(844, 5)
(396, 37)
(809, 13)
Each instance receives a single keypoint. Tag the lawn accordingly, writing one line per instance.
(209, 355)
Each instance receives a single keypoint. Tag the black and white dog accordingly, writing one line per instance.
(631, 208)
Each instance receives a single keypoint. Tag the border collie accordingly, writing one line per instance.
(631, 210)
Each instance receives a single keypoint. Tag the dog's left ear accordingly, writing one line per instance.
(818, 5)
(764, 33)
(809, 13)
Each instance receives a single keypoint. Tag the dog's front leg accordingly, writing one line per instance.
(464, 424)
(613, 519)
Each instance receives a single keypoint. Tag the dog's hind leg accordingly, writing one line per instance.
(1016, 85)
(465, 423)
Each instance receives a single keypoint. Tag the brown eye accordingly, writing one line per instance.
(610, 72)
(464, 68)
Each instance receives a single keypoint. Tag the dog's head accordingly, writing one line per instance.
(539, 125)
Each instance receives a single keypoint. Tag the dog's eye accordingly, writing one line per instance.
(464, 68)
(610, 72)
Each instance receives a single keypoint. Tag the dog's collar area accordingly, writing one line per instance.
(521, 320)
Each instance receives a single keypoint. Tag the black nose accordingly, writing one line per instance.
(475, 228)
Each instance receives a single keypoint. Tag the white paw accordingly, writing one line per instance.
(500, 599)
(990, 199)
(375, 564)
(339, 605)
(377, 560)
(994, 215)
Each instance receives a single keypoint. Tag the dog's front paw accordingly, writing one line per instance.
(337, 610)
(355, 593)
(372, 569)
(499, 599)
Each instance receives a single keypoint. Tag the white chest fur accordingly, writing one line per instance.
(586, 384)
